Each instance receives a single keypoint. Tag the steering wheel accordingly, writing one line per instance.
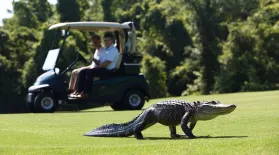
(81, 57)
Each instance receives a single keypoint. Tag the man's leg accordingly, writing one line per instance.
(81, 80)
(72, 84)
(90, 74)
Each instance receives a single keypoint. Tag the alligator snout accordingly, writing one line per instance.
(233, 106)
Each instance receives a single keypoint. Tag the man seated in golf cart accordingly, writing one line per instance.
(102, 67)
(98, 55)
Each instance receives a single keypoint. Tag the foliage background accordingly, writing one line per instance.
(188, 46)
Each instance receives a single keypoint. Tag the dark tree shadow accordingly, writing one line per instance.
(98, 111)
(91, 111)
(108, 110)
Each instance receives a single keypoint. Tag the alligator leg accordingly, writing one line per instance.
(145, 121)
(192, 125)
(173, 132)
(138, 135)
(184, 126)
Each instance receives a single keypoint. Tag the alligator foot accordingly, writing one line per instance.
(175, 136)
(192, 137)
(138, 135)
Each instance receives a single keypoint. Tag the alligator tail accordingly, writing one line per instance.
(116, 130)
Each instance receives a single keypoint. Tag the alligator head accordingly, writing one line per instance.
(210, 109)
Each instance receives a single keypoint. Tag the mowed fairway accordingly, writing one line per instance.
(253, 128)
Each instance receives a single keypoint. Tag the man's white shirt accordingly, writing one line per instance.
(111, 55)
(99, 55)
(103, 54)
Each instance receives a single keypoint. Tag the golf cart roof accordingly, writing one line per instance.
(92, 26)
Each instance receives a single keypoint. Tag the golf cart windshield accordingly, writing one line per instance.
(51, 59)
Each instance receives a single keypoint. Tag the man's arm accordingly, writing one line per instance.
(104, 64)
(87, 67)
(90, 66)
(110, 57)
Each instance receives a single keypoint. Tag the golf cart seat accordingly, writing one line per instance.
(118, 63)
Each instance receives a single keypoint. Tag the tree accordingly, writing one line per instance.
(10, 85)
(210, 33)
(23, 15)
(94, 11)
(176, 38)
(108, 14)
(69, 10)
(250, 52)
(41, 9)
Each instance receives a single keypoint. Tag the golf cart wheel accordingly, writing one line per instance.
(45, 102)
(134, 100)
(118, 106)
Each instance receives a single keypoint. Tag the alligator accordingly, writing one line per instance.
(169, 113)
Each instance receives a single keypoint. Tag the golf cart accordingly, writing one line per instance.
(124, 89)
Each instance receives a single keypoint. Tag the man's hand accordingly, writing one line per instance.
(97, 62)
(104, 64)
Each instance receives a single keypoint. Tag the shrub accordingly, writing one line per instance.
(154, 69)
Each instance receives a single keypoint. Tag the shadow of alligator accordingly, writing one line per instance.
(198, 137)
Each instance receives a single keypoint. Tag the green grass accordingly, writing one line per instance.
(253, 128)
